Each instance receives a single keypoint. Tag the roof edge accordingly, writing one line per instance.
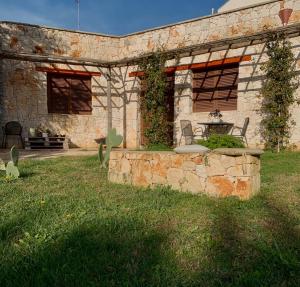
(146, 30)
(246, 7)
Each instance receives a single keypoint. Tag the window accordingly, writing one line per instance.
(215, 88)
(69, 94)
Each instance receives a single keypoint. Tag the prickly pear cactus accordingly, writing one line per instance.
(12, 170)
(112, 140)
(100, 153)
(2, 165)
(14, 155)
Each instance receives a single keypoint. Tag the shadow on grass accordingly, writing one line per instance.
(26, 174)
(115, 253)
(241, 257)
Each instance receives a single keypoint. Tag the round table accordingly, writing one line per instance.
(216, 128)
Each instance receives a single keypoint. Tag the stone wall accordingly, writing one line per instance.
(222, 173)
(23, 90)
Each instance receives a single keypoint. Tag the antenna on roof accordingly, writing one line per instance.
(78, 14)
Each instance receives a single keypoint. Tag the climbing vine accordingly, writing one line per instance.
(154, 101)
(278, 92)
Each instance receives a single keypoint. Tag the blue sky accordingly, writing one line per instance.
(105, 16)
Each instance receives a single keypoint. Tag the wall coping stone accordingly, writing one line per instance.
(192, 149)
(238, 151)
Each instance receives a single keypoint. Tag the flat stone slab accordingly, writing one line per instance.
(192, 149)
(238, 151)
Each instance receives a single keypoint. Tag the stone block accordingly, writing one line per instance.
(175, 177)
(237, 170)
(189, 165)
(198, 159)
(220, 186)
(176, 161)
(125, 166)
(227, 161)
(214, 165)
(201, 171)
(243, 188)
(191, 183)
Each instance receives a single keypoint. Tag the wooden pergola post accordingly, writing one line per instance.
(109, 105)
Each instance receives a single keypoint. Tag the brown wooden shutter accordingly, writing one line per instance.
(69, 94)
(58, 94)
(215, 88)
(81, 95)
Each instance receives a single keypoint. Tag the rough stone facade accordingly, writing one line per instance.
(23, 89)
(219, 174)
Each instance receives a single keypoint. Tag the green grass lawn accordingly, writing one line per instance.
(63, 224)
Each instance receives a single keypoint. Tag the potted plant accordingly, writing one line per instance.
(216, 116)
(32, 132)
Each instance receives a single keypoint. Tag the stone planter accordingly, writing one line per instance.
(221, 173)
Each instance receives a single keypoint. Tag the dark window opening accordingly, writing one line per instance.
(69, 94)
(215, 88)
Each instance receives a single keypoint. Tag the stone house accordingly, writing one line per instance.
(81, 84)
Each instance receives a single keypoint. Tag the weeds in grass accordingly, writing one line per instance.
(65, 225)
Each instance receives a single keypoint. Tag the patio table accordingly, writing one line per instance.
(216, 128)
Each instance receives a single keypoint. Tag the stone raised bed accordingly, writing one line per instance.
(221, 173)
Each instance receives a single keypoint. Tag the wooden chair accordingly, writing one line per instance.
(188, 133)
(241, 131)
(12, 129)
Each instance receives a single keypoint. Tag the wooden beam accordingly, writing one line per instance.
(109, 103)
(67, 71)
(196, 66)
(292, 30)
(36, 58)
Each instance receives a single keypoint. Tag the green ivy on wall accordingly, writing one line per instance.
(278, 92)
(154, 102)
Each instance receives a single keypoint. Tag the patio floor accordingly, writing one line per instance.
(46, 154)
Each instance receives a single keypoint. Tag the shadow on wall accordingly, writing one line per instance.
(25, 89)
(249, 83)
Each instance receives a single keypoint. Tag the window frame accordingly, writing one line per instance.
(70, 110)
(214, 101)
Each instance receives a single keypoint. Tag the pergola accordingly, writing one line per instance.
(289, 31)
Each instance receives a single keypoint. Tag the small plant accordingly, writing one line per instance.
(11, 169)
(216, 115)
(112, 140)
(158, 147)
(222, 141)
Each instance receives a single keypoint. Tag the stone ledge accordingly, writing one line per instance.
(215, 174)
(238, 151)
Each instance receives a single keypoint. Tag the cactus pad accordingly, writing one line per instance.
(113, 139)
(12, 170)
(14, 156)
(2, 165)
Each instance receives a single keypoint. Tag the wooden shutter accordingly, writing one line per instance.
(81, 95)
(58, 94)
(215, 88)
(69, 94)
